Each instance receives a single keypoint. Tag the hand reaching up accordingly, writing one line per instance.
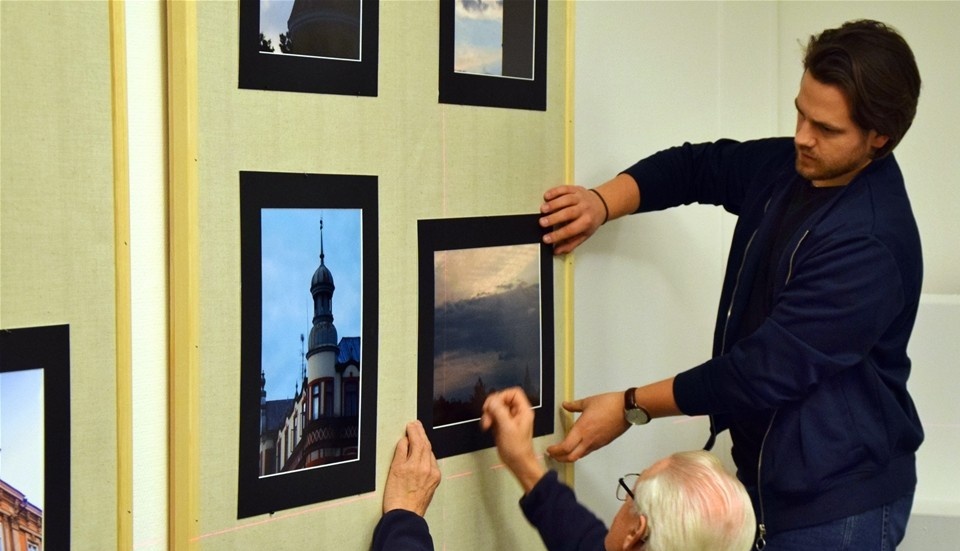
(600, 422)
(414, 474)
(510, 416)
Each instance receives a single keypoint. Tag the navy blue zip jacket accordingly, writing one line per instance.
(551, 507)
(830, 359)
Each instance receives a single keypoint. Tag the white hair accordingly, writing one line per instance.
(693, 504)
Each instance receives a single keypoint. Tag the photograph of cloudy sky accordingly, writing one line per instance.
(487, 326)
(494, 37)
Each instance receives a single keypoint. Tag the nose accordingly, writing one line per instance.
(803, 137)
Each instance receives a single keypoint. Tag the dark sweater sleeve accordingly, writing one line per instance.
(717, 173)
(563, 523)
(401, 530)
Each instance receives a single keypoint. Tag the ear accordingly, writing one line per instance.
(878, 140)
(636, 537)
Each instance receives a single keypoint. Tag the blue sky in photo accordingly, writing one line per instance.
(478, 37)
(274, 15)
(273, 20)
(21, 432)
(290, 255)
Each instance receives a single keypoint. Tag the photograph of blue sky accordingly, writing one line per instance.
(328, 29)
(290, 254)
(486, 319)
(273, 20)
(478, 37)
(21, 432)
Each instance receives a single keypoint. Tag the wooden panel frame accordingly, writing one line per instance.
(184, 274)
(121, 200)
(228, 119)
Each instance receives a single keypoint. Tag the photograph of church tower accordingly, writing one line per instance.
(310, 407)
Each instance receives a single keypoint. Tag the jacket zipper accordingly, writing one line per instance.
(762, 526)
(736, 286)
(733, 295)
(761, 541)
(726, 322)
(792, 256)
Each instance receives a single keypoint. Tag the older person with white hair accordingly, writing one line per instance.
(688, 501)
(685, 502)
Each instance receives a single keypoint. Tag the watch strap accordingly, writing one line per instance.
(630, 398)
(634, 413)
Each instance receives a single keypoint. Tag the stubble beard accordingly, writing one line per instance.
(814, 169)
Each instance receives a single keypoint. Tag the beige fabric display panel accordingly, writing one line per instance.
(57, 253)
(432, 161)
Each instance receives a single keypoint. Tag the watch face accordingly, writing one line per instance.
(637, 416)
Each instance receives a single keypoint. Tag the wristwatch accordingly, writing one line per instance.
(633, 413)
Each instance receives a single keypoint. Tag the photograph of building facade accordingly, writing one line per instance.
(319, 425)
(21, 522)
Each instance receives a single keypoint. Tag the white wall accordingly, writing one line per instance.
(649, 75)
(646, 286)
(934, 349)
(148, 267)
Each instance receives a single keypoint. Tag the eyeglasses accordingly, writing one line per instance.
(625, 488)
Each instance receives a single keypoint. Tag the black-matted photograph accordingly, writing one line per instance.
(485, 324)
(35, 436)
(493, 53)
(308, 375)
(316, 46)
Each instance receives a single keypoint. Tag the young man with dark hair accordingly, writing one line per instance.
(809, 366)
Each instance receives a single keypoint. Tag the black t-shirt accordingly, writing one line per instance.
(747, 430)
